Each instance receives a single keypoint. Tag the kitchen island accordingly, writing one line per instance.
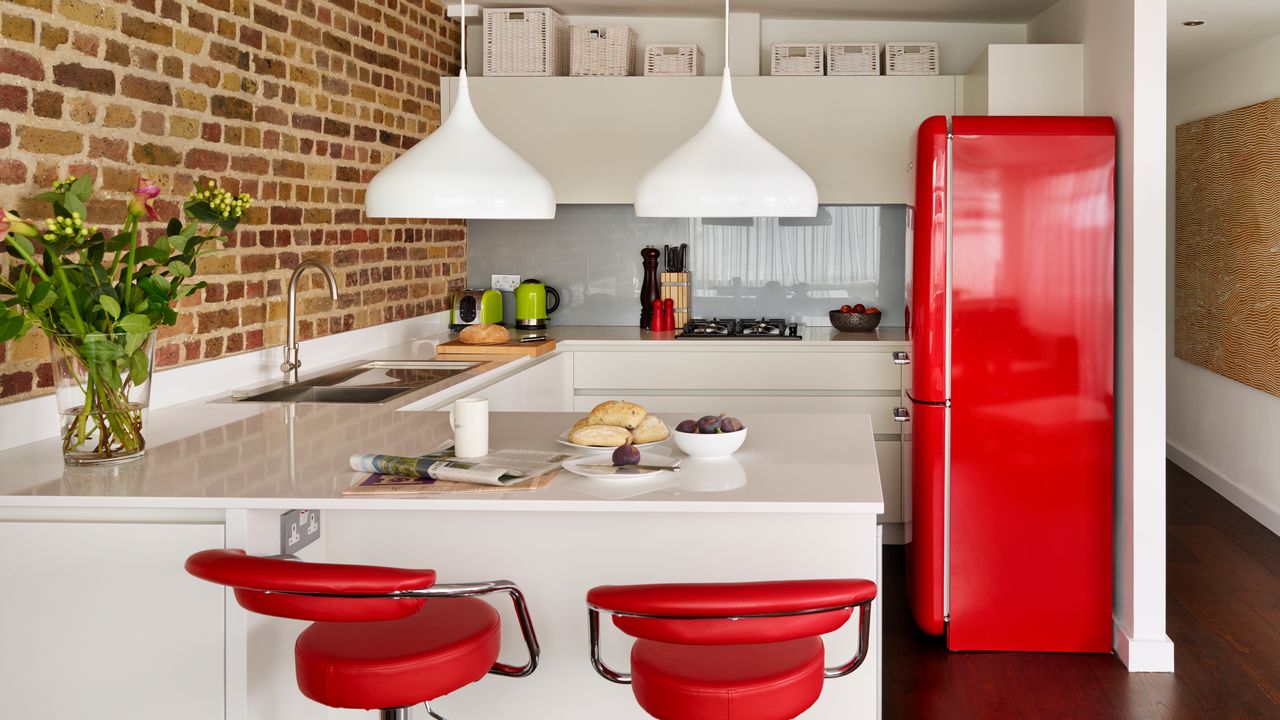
(798, 500)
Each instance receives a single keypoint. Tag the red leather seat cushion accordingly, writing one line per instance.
(772, 681)
(450, 643)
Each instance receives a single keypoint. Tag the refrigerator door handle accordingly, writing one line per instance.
(901, 357)
(901, 415)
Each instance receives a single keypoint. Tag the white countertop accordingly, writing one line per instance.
(790, 463)
(209, 453)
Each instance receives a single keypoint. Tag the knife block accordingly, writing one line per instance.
(675, 285)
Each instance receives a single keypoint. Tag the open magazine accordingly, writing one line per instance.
(499, 468)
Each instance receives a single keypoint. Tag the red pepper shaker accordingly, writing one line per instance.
(669, 314)
(659, 319)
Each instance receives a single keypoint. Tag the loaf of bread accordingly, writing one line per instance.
(484, 334)
(618, 413)
(579, 425)
(651, 429)
(600, 436)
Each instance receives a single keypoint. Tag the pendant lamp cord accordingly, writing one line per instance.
(726, 36)
(462, 21)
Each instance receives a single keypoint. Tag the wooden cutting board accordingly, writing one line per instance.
(532, 349)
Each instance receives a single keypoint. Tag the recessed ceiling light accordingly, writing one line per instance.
(1193, 23)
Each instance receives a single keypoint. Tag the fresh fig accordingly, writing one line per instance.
(687, 426)
(626, 455)
(709, 424)
(730, 424)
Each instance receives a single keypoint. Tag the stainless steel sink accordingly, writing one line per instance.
(367, 383)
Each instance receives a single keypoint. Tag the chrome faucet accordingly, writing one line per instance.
(291, 362)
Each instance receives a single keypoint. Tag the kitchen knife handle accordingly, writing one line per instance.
(901, 358)
(901, 415)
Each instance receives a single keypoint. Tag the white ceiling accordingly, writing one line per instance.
(945, 10)
(1229, 26)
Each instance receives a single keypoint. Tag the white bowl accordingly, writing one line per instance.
(711, 445)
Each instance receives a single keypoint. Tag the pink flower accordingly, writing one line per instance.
(144, 199)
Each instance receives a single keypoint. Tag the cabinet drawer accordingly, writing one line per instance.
(879, 408)
(738, 370)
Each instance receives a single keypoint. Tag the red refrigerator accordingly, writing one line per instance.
(1010, 288)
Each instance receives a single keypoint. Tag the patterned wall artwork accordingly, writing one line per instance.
(1227, 256)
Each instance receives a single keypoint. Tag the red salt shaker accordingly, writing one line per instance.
(658, 324)
(669, 314)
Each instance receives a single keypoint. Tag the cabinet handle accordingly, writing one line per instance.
(901, 414)
(901, 358)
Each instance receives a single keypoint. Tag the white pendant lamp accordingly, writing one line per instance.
(726, 170)
(460, 171)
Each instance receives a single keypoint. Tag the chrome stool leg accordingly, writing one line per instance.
(432, 713)
(400, 713)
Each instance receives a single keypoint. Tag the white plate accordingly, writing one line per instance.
(651, 457)
(564, 440)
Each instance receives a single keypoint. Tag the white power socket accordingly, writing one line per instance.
(504, 282)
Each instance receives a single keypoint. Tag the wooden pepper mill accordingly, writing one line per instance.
(650, 290)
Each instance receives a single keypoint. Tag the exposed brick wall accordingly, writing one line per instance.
(298, 102)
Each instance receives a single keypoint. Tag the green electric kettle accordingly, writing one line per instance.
(531, 304)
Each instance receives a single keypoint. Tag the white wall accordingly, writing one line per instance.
(1125, 78)
(1221, 430)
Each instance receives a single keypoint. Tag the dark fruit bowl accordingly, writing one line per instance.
(854, 322)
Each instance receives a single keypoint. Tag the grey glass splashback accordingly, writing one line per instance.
(796, 269)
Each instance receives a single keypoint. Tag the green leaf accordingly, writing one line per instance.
(111, 376)
(135, 323)
(119, 242)
(173, 227)
(133, 341)
(11, 328)
(97, 348)
(82, 188)
(180, 269)
(152, 253)
(74, 204)
(138, 367)
(49, 196)
(110, 305)
(42, 296)
(201, 211)
(22, 245)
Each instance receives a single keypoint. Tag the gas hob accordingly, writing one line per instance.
(740, 329)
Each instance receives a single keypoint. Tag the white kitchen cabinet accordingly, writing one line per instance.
(676, 370)
(1037, 79)
(699, 382)
(99, 620)
(543, 387)
(594, 138)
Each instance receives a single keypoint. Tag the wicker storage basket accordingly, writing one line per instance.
(673, 60)
(795, 58)
(525, 42)
(911, 58)
(853, 58)
(602, 50)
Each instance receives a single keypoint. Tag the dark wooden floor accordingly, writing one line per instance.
(1223, 617)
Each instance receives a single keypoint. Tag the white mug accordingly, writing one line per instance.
(469, 418)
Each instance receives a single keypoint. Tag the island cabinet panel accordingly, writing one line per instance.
(544, 387)
(702, 382)
(594, 138)
(99, 620)
(737, 370)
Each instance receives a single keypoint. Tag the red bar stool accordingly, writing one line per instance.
(746, 651)
(381, 638)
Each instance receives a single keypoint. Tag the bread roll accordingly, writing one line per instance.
(600, 436)
(579, 425)
(651, 429)
(618, 413)
(484, 334)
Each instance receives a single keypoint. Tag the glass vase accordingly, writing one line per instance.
(103, 386)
